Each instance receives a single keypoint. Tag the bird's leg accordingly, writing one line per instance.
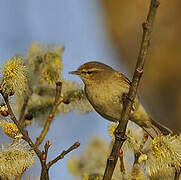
(125, 96)
(120, 135)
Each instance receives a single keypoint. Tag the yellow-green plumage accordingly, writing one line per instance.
(105, 87)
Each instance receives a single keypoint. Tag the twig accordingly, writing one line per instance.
(44, 172)
(23, 109)
(61, 156)
(46, 127)
(121, 128)
(25, 135)
(39, 140)
(122, 168)
(44, 158)
(46, 167)
(46, 147)
(41, 155)
(21, 129)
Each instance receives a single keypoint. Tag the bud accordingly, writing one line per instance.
(4, 113)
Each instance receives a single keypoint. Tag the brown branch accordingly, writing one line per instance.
(51, 115)
(46, 167)
(23, 109)
(25, 135)
(46, 147)
(39, 140)
(21, 129)
(121, 128)
(61, 156)
(122, 168)
(44, 171)
(41, 155)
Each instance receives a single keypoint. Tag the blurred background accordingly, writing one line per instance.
(103, 31)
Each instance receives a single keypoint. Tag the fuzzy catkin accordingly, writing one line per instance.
(14, 159)
(14, 76)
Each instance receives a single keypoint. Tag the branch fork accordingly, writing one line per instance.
(42, 155)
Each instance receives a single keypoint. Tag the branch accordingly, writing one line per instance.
(61, 156)
(21, 129)
(121, 128)
(122, 168)
(25, 136)
(51, 115)
(41, 155)
(23, 109)
(44, 170)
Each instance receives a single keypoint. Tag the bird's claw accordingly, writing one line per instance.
(125, 96)
(120, 135)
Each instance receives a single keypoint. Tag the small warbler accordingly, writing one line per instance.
(105, 88)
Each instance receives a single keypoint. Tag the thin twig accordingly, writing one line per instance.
(44, 171)
(122, 168)
(46, 147)
(51, 115)
(41, 155)
(61, 156)
(21, 129)
(23, 109)
(25, 135)
(120, 130)
(39, 140)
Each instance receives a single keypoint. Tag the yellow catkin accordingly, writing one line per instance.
(91, 163)
(10, 129)
(92, 177)
(165, 154)
(14, 76)
(111, 129)
(14, 158)
(45, 62)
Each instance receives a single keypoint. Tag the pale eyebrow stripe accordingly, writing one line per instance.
(92, 69)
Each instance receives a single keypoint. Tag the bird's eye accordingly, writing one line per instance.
(84, 72)
(89, 72)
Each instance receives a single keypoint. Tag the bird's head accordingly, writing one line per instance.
(93, 72)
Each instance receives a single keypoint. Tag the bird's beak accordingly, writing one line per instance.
(75, 72)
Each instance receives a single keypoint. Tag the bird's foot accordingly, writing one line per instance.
(120, 135)
(124, 97)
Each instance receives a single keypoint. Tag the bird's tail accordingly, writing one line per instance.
(157, 129)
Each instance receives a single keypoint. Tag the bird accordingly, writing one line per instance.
(106, 89)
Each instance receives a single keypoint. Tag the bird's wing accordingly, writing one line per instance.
(122, 78)
(125, 83)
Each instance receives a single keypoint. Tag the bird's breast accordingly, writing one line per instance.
(106, 100)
